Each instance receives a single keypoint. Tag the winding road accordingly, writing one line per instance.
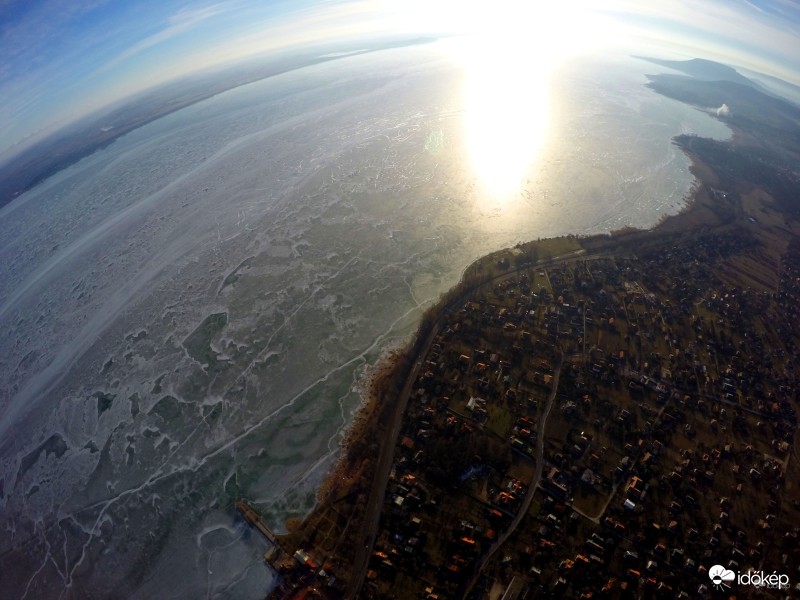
(537, 477)
(388, 444)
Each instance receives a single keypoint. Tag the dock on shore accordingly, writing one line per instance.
(275, 554)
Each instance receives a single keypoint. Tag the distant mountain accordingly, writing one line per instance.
(776, 86)
(707, 70)
(746, 103)
(767, 133)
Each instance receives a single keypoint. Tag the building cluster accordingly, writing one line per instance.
(664, 453)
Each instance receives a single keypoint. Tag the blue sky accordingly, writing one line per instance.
(63, 59)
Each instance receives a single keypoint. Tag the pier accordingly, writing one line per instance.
(275, 554)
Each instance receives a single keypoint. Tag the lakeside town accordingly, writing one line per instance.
(611, 416)
(587, 423)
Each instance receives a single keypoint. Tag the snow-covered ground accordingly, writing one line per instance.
(185, 315)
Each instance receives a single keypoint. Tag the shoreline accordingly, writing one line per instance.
(353, 476)
(387, 365)
(364, 415)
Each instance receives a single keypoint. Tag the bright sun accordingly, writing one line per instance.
(507, 63)
(507, 113)
(507, 49)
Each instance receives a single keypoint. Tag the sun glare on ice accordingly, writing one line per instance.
(508, 61)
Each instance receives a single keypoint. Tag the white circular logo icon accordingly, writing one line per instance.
(720, 576)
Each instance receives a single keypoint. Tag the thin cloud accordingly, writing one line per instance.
(745, 32)
(179, 23)
(26, 41)
(754, 6)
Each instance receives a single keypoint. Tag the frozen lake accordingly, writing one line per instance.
(185, 315)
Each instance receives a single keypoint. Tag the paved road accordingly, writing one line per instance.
(374, 504)
(388, 443)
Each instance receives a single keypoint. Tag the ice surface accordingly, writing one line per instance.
(306, 209)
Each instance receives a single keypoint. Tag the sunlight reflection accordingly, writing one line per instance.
(507, 108)
(507, 94)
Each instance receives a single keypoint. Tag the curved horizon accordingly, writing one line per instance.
(69, 62)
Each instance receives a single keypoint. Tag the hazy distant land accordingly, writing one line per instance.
(767, 130)
(75, 141)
